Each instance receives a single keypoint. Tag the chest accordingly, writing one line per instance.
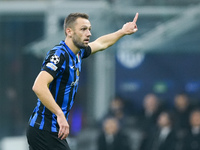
(73, 71)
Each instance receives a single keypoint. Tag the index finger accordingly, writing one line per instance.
(136, 17)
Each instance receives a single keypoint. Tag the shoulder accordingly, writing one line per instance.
(59, 49)
(57, 52)
(85, 52)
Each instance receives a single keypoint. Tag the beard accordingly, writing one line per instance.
(77, 42)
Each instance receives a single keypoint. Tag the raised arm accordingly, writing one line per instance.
(108, 40)
(42, 91)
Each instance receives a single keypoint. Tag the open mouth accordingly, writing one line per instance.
(86, 40)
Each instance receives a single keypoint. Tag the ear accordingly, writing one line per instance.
(69, 32)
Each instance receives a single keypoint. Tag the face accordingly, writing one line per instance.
(181, 102)
(195, 118)
(111, 126)
(116, 105)
(81, 33)
(163, 120)
(150, 103)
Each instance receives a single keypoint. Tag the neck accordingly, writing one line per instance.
(70, 44)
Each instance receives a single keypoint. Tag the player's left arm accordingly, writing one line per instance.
(108, 40)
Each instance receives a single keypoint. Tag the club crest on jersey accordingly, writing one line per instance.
(77, 72)
(55, 59)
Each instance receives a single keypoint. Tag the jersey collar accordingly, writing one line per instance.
(68, 49)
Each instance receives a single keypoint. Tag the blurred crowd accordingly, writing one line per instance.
(161, 127)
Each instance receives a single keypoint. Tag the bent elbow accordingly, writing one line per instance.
(35, 88)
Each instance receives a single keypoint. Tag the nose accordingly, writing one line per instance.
(89, 33)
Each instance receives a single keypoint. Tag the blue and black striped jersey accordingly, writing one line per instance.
(65, 67)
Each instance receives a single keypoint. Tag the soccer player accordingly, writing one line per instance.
(56, 85)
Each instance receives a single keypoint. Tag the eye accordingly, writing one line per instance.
(83, 29)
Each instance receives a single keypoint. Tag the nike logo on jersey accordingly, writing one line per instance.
(72, 67)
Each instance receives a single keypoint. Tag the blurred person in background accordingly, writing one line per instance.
(181, 112)
(192, 138)
(112, 137)
(151, 110)
(57, 83)
(163, 136)
(116, 109)
(148, 117)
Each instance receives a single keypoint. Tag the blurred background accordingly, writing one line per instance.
(144, 82)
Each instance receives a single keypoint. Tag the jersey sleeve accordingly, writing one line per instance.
(86, 52)
(53, 62)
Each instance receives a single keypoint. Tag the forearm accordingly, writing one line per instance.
(106, 41)
(47, 99)
(110, 39)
